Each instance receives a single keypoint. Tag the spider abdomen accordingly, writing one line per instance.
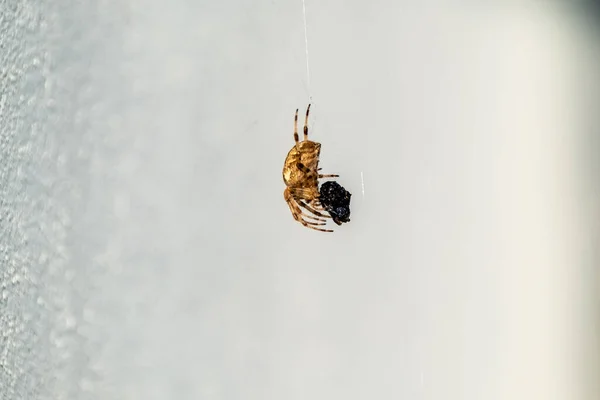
(306, 154)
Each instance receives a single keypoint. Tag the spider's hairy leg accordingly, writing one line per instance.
(303, 194)
(303, 222)
(312, 210)
(317, 205)
(312, 217)
(296, 138)
(308, 224)
(306, 123)
(312, 223)
(296, 210)
(328, 176)
(297, 213)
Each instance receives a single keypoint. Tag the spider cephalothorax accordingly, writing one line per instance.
(301, 177)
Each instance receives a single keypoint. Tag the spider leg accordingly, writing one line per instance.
(328, 176)
(296, 139)
(314, 218)
(314, 227)
(311, 223)
(317, 205)
(312, 210)
(299, 217)
(301, 193)
(297, 211)
(298, 214)
(306, 123)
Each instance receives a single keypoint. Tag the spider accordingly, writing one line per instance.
(300, 175)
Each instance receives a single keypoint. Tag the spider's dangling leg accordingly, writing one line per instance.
(312, 210)
(301, 193)
(306, 123)
(296, 139)
(297, 214)
(303, 222)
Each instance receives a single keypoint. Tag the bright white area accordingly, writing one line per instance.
(153, 256)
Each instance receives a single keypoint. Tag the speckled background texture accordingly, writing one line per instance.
(146, 251)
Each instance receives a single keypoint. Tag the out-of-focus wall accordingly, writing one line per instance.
(146, 251)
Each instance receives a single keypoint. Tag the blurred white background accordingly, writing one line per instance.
(146, 251)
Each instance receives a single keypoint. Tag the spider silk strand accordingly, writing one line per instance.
(306, 48)
(362, 184)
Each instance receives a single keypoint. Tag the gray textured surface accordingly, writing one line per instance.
(146, 251)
